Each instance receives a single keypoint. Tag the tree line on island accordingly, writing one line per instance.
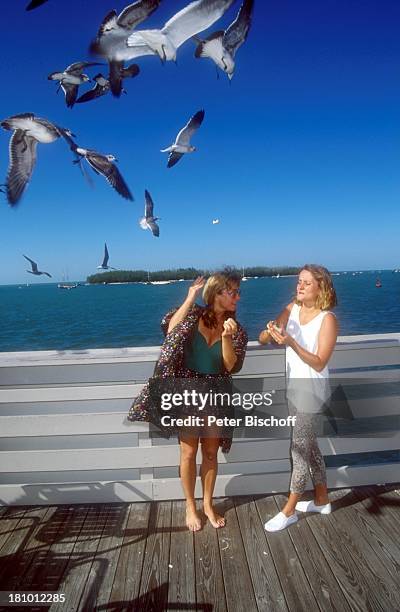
(144, 276)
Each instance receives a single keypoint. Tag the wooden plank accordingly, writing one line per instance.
(388, 501)
(16, 534)
(18, 564)
(359, 582)
(69, 425)
(238, 586)
(9, 520)
(386, 584)
(383, 533)
(267, 588)
(85, 373)
(182, 576)
(54, 567)
(318, 572)
(126, 583)
(209, 582)
(120, 457)
(82, 406)
(99, 492)
(45, 571)
(170, 488)
(104, 565)
(153, 592)
(298, 593)
(69, 393)
(80, 560)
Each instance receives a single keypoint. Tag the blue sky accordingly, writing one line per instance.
(299, 157)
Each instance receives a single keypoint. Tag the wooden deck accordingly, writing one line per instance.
(139, 556)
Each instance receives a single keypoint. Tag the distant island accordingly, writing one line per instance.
(143, 276)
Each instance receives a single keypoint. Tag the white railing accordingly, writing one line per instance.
(64, 437)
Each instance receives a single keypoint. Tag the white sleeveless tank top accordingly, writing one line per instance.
(307, 336)
(307, 390)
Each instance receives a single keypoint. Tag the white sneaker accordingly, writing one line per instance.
(280, 521)
(309, 506)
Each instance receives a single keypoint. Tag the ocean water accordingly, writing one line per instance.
(43, 317)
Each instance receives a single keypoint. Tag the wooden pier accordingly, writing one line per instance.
(139, 556)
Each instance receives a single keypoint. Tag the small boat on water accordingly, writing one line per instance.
(378, 283)
(67, 286)
(166, 282)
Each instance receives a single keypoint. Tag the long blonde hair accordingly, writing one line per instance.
(216, 283)
(327, 295)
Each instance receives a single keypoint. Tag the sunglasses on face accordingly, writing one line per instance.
(233, 292)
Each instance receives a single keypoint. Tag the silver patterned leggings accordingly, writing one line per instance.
(306, 456)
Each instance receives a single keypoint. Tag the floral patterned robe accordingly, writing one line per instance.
(171, 365)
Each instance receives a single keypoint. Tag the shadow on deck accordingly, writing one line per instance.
(121, 557)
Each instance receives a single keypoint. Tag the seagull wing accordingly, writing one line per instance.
(190, 128)
(137, 12)
(173, 159)
(194, 18)
(103, 166)
(33, 264)
(94, 93)
(148, 211)
(237, 32)
(22, 150)
(34, 4)
(106, 256)
(154, 228)
(71, 93)
(77, 68)
(47, 274)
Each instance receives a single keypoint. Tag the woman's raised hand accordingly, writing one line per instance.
(196, 287)
(230, 328)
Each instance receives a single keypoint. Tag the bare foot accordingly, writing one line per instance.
(193, 520)
(215, 519)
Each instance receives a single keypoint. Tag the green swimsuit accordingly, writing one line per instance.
(202, 358)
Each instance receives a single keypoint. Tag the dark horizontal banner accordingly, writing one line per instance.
(270, 407)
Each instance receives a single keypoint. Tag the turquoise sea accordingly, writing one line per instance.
(43, 317)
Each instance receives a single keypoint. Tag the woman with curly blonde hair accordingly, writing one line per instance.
(309, 331)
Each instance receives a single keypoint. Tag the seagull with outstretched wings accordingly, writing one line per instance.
(28, 130)
(182, 142)
(221, 46)
(189, 21)
(149, 220)
(70, 79)
(104, 265)
(35, 270)
(111, 40)
(104, 165)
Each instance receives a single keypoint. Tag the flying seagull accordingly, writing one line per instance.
(103, 164)
(215, 221)
(35, 270)
(103, 86)
(192, 19)
(221, 46)
(149, 221)
(182, 143)
(28, 130)
(104, 265)
(113, 33)
(34, 4)
(70, 79)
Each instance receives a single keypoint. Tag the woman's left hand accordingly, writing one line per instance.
(230, 327)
